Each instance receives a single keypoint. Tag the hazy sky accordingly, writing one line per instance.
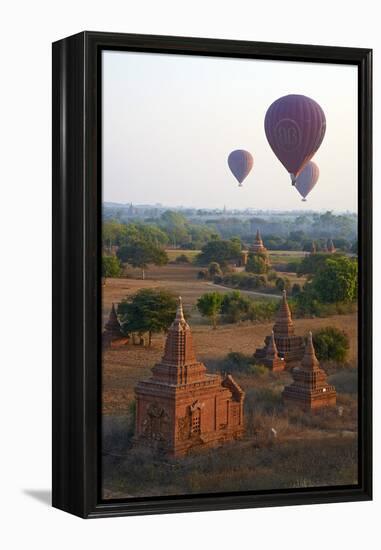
(170, 121)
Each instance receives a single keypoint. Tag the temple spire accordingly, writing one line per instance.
(179, 346)
(310, 360)
(283, 322)
(179, 311)
(112, 324)
(258, 237)
(272, 350)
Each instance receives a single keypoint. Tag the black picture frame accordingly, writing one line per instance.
(76, 271)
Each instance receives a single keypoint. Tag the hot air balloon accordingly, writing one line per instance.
(295, 127)
(240, 163)
(307, 179)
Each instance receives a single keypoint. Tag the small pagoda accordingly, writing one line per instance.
(290, 347)
(182, 407)
(310, 389)
(258, 247)
(112, 334)
(272, 359)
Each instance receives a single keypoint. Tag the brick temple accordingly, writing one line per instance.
(310, 389)
(271, 358)
(258, 247)
(290, 347)
(182, 407)
(112, 334)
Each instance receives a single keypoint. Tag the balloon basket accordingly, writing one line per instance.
(304, 200)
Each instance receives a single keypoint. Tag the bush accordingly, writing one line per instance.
(182, 259)
(202, 275)
(262, 311)
(272, 275)
(235, 307)
(331, 344)
(258, 370)
(296, 289)
(283, 283)
(245, 281)
(214, 269)
(257, 263)
(292, 267)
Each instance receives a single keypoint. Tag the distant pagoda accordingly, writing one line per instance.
(272, 359)
(183, 407)
(258, 247)
(310, 389)
(330, 246)
(112, 334)
(290, 347)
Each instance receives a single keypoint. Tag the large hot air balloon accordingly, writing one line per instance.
(307, 179)
(295, 127)
(240, 163)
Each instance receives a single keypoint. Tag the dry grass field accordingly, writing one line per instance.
(325, 439)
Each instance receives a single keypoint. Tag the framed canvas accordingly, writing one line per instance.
(211, 274)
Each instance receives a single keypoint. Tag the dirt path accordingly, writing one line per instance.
(248, 292)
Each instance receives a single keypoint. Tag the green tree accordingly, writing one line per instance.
(209, 305)
(214, 270)
(148, 311)
(175, 225)
(111, 267)
(220, 251)
(296, 289)
(142, 253)
(257, 263)
(336, 281)
(283, 283)
(331, 344)
(235, 306)
(311, 264)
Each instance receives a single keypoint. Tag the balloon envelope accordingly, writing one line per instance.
(240, 163)
(307, 179)
(295, 127)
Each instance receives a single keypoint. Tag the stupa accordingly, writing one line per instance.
(112, 334)
(258, 247)
(310, 389)
(290, 347)
(272, 359)
(182, 407)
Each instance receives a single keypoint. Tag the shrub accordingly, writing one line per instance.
(296, 289)
(202, 274)
(257, 263)
(182, 259)
(283, 283)
(214, 269)
(331, 344)
(258, 370)
(272, 275)
(235, 307)
(262, 311)
(292, 267)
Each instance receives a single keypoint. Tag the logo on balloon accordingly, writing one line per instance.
(288, 134)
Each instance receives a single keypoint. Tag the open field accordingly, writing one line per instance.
(180, 279)
(309, 450)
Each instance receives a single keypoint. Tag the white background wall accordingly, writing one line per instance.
(27, 29)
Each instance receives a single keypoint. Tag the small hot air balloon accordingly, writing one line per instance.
(240, 163)
(307, 179)
(295, 127)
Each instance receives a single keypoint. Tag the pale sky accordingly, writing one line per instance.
(170, 121)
